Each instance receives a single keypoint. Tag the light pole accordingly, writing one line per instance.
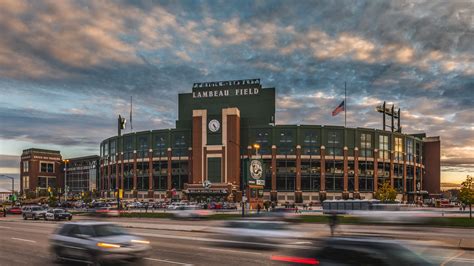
(13, 185)
(65, 179)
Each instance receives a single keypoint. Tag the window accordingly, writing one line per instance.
(398, 149)
(180, 147)
(159, 149)
(26, 165)
(47, 167)
(365, 145)
(310, 143)
(409, 149)
(383, 146)
(286, 145)
(26, 182)
(262, 137)
(142, 146)
(335, 143)
(112, 150)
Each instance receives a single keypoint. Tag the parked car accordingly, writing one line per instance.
(33, 212)
(14, 210)
(135, 205)
(97, 243)
(57, 214)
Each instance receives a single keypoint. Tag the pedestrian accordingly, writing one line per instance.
(296, 209)
(333, 222)
(4, 211)
(258, 208)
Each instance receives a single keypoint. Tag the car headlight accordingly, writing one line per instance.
(107, 245)
(140, 241)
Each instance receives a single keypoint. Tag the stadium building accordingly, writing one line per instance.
(226, 145)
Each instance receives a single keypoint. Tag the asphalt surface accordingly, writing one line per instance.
(26, 242)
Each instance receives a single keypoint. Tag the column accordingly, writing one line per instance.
(414, 173)
(356, 173)
(391, 175)
(168, 178)
(376, 170)
(150, 174)
(345, 193)
(322, 192)
(190, 165)
(121, 170)
(134, 190)
(405, 177)
(109, 183)
(298, 192)
(117, 175)
(273, 192)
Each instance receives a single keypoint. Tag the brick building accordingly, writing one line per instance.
(225, 127)
(40, 169)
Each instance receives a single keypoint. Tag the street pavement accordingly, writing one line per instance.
(176, 242)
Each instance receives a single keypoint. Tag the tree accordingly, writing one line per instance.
(386, 193)
(466, 194)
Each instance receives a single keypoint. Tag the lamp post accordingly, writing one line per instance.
(65, 179)
(13, 185)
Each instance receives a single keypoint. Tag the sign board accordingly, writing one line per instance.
(255, 172)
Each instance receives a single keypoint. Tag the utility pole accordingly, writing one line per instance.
(120, 125)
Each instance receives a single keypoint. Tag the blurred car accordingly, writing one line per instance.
(176, 206)
(57, 214)
(190, 212)
(253, 231)
(14, 210)
(97, 243)
(106, 211)
(135, 205)
(33, 212)
(351, 251)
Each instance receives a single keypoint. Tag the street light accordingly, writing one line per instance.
(13, 185)
(65, 179)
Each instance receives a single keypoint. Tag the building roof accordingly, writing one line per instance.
(31, 150)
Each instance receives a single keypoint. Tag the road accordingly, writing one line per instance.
(26, 242)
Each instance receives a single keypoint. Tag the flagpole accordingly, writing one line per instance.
(345, 105)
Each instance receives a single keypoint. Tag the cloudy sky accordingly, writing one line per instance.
(68, 68)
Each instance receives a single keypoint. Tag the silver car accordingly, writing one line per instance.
(97, 243)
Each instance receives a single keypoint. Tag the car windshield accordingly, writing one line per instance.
(36, 209)
(108, 230)
(58, 211)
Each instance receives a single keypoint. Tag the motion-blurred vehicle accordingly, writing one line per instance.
(14, 210)
(135, 205)
(192, 212)
(57, 214)
(254, 231)
(350, 251)
(176, 206)
(33, 212)
(97, 243)
(107, 211)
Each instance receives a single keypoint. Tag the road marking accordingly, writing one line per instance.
(5, 227)
(234, 251)
(169, 261)
(25, 240)
(451, 258)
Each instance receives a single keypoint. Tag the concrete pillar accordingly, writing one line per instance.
(345, 192)
(298, 192)
(356, 173)
(376, 170)
(322, 191)
(273, 192)
(150, 173)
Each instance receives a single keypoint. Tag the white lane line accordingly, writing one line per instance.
(24, 240)
(5, 227)
(234, 251)
(169, 261)
(452, 258)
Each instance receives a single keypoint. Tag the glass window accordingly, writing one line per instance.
(398, 149)
(409, 144)
(383, 147)
(263, 138)
(286, 144)
(311, 143)
(160, 146)
(335, 143)
(365, 145)
(180, 147)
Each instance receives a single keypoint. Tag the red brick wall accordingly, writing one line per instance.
(432, 161)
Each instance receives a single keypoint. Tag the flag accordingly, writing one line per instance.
(339, 109)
